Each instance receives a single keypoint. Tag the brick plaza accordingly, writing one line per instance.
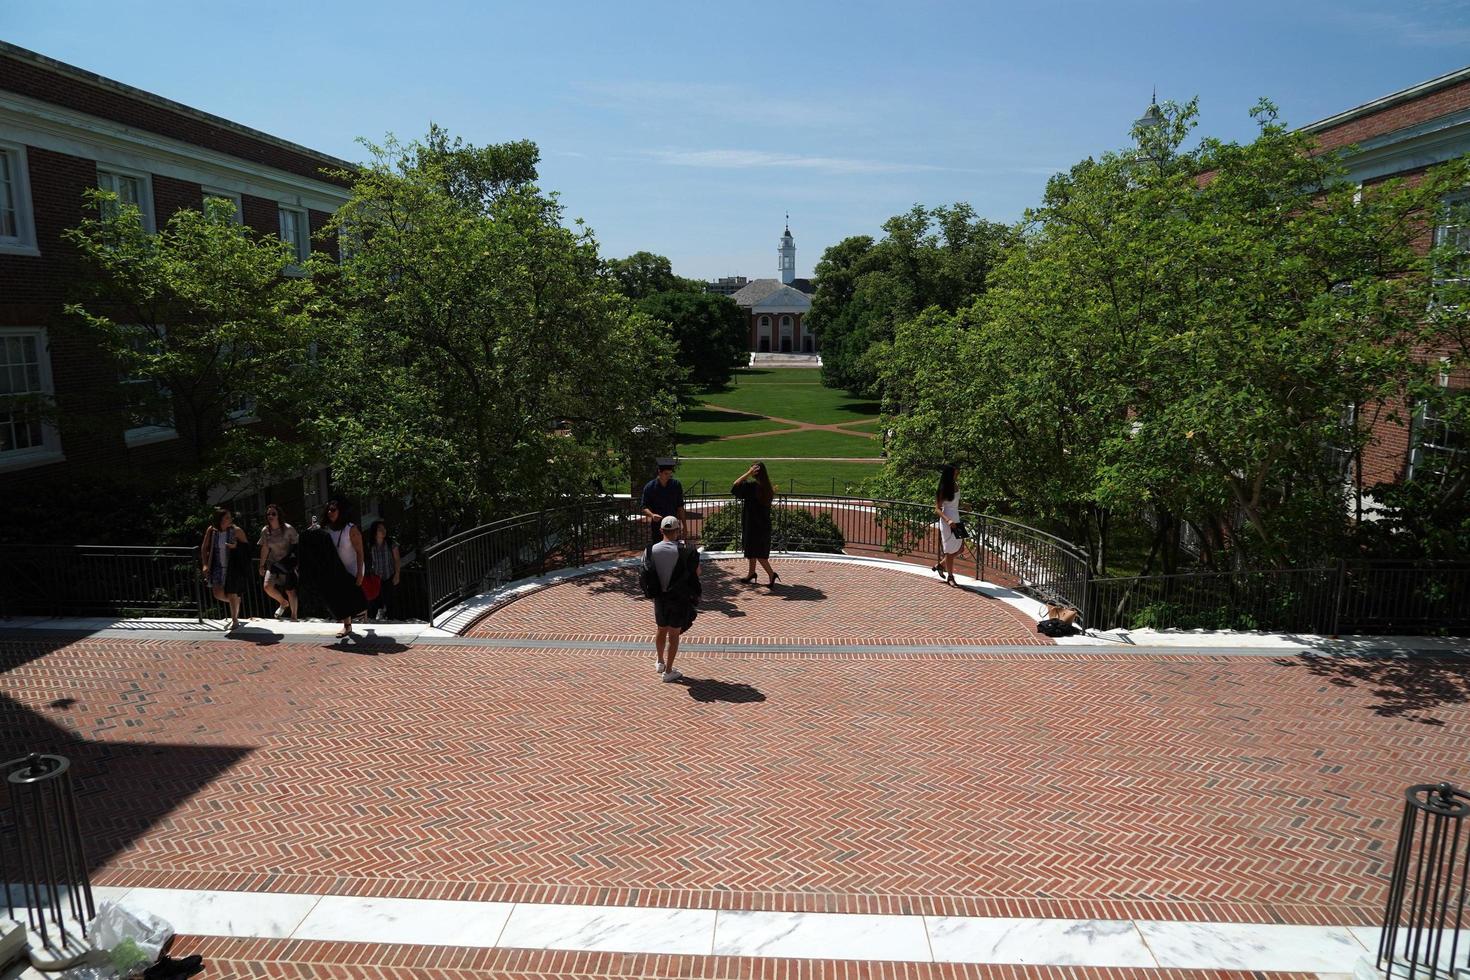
(1039, 782)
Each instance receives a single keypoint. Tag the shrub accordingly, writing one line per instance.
(1169, 615)
(792, 529)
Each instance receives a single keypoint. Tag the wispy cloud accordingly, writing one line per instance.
(1417, 23)
(760, 159)
(715, 101)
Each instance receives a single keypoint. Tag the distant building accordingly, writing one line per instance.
(727, 285)
(777, 307)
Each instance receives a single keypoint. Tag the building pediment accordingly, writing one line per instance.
(783, 300)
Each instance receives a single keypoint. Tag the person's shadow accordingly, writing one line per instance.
(709, 690)
(368, 643)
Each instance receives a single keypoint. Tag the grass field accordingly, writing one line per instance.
(813, 476)
(702, 424)
(872, 426)
(809, 442)
(791, 393)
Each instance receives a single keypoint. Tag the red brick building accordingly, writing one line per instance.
(778, 307)
(1402, 135)
(63, 130)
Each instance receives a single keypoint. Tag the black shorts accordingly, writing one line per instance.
(675, 612)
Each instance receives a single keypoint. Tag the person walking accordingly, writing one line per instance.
(347, 540)
(670, 577)
(756, 494)
(384, 563)
(278, 541)
(951, 532)
(225, 566)
(663, 496)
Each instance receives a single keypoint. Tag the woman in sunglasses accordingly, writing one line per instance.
(277, 556)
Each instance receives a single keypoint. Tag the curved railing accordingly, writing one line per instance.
(1002, 551)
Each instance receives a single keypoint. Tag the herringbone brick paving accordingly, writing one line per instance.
(330, 961)
(814, 602)
(1030, 784)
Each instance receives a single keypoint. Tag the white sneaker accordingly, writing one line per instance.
(658, 666)
(382, 615)
(280, 612)
(671, 675)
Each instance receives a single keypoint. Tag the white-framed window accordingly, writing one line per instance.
(17, 219)
(1453, 230)
(1438, 442)
(214, 193)
(131, 187)
(296, 230)
(1338, 452)
(25, 380)
(147, 401)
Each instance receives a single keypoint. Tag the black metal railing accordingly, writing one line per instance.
(484, 558)
(1424, 917)
(1348, 597)
(162, 581)
(100, 580)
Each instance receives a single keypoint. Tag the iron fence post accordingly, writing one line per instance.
(1337, 597)
(541, 542)
(984, 529)
(1085, 600)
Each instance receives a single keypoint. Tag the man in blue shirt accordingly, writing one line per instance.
(663, 496)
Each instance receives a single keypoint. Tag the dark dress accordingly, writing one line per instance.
(755, 519)
(322, 575)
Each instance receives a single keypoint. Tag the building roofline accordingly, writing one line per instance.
(1389, 101)
(101, 81)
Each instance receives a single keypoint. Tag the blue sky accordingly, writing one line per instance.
(690, 128)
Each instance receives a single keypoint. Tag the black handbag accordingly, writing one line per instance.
(959, 530)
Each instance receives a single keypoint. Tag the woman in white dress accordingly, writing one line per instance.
(947, 507)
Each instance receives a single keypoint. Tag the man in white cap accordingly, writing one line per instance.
(670, 577)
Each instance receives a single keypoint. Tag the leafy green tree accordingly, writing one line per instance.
(203, 322)
(482, 365)
(644, 274)
(1206, 332)
(929, 257)
(710, 331)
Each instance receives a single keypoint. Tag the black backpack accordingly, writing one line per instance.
(653, 589)
(1055, 627)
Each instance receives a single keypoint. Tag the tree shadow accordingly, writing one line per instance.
(719, 590)
(1407, 685)
(865, 408)
(710, 690)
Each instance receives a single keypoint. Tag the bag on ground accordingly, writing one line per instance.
(129, 935)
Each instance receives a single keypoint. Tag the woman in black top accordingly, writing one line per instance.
(754, 489)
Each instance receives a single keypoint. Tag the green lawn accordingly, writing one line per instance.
(812, 476)
(699, 425)
(791, 393)
(808, 442)
(872, 426)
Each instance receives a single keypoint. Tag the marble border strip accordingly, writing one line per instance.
(792, 935)
(1361, 649)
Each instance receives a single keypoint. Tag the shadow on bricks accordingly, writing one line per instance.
(710, 690)
(125, 784)
(1408, 686)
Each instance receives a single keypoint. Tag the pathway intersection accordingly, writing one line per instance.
(529, 800)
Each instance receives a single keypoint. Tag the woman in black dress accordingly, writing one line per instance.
(754, 489)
